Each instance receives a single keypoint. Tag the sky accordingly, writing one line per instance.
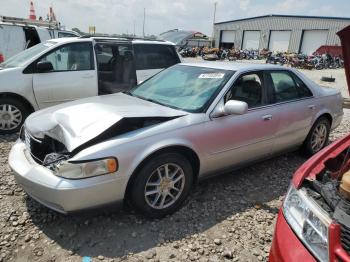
(122, 16)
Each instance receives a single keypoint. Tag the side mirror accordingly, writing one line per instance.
(44, 66)
(235, 107)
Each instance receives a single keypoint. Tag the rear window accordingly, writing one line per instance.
(150, 56)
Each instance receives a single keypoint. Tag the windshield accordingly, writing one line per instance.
(188, 88)
(21, 58)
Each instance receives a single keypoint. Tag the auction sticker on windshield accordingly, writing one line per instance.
(212, 75)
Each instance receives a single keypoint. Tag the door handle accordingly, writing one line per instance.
(312, 107)
(88, 76)
(267, 117)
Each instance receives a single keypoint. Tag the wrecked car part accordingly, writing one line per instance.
(330, 191)
(69, 126)
(123, 126)
(48, 151)
(43, 150)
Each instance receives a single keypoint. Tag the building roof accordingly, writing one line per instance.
(290, 16)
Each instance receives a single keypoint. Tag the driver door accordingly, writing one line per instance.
(73, 76)
(232, 140)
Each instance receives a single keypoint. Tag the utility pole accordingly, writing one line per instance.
(144, 20)
(134, 29)
(214, 18)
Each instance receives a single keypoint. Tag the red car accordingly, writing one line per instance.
(314, 221)
(309, 226)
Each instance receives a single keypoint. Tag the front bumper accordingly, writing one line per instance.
(60, 194)
(286, 246)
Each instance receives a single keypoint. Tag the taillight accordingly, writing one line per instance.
(2, 58)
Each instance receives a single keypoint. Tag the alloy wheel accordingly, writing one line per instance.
(164, 186)
(10, 117)
(319, 137)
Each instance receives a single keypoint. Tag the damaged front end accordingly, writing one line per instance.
(331, 191)
(54, 155)
(45, 151)
(317, 206)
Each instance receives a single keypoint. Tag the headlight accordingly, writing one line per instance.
(309, 222)
(75, 170)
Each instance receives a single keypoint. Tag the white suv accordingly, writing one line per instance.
(65, 69)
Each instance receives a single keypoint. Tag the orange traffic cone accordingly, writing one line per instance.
(32, 15)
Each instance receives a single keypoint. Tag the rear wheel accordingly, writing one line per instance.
(317, 137)
(12, 115)
(162, 185)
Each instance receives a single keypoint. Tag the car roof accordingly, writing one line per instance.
(235, 66)
(109, 39)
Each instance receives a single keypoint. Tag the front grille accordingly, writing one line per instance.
(39, 148)
(345, 238)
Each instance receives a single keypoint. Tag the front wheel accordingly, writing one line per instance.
(317, 137)
(162, 185)
(12, 115)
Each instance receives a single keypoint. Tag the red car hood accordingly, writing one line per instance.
(316, 164)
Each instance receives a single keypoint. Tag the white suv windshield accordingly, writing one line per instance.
(21, 58)
(187, 88)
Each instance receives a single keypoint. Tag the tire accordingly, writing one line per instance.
(149, 175)
(309, 146)
(12, 115)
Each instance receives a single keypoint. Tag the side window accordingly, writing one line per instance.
(286, 89)
(303, 90)
(71, 57)
(153, 56)
(247, 88)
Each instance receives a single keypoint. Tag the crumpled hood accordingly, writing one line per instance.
(78, 122)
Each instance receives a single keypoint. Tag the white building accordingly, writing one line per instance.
(301, 34)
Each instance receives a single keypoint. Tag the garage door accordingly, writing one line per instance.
(312, 40)
(228, 36)
(227, 39)
(279, 41)
(251, 40)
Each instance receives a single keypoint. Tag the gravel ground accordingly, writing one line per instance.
(228, 218)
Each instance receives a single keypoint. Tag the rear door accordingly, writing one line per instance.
(295, 107)
(151, 58)
(73, 76)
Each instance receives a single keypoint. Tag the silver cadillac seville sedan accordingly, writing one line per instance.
(151, 144)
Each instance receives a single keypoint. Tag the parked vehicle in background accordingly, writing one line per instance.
(313, 223)
(18, 34)
(149, 145)
(66, 69)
